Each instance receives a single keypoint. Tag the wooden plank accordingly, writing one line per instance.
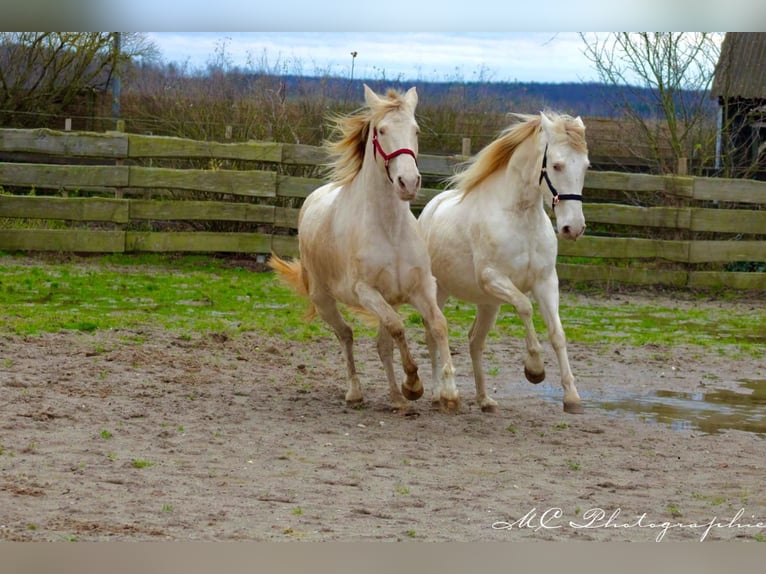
(673, 217)
(197, 242)
(728, 280)
(685, 218)
(725, 189)
(611, 274)
(625, 248)
(68, 240)
(286, 217)
(304, 155)
(173, 147)
(729, 221)
(639, 182)
(285, 245)
(201, 211)
(726, 251)
(57, 176)
(292, 186)
(440, 165)
(247, 183)
(111, 145)
(69, 209)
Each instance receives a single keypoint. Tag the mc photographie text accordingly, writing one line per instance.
(553, 519)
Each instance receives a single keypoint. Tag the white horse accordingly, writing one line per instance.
(492, 242)
(359, 243)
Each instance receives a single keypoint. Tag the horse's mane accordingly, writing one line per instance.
(350, 133)
(497, 154)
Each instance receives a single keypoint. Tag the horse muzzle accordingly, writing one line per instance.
(407, 187)
(572, 232)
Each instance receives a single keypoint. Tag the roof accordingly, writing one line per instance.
(741, 68)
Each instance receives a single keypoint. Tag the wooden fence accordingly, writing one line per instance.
(117, 192)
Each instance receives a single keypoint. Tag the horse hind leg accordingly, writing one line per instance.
(477, 336)
(386, 353)
(328, 310)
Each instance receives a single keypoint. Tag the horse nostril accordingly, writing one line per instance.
(566, 230)
(401, 182)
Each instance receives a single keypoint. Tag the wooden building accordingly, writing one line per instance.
(740, 88)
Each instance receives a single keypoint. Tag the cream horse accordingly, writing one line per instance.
(359, 244)
(492, 242)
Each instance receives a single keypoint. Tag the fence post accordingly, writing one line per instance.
(227, 135)
(120, 127)
(68, 125)
(466, 151)
(683, 166)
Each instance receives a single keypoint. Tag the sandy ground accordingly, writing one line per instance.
(144, 435)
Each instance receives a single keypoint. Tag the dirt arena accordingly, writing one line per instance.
(144, 435)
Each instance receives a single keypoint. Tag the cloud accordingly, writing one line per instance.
(544, 57)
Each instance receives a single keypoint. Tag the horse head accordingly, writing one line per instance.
(394, 140)
(564, 163)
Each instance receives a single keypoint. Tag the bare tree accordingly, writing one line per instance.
(665, 80)
(44, 73)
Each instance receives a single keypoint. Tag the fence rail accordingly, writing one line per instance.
(92, 192)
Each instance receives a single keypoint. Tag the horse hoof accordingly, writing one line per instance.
(534, 378)
(354, 401)
(450, 406)
(400, 407)
(574, 408)
(489, 408)
(412, 394)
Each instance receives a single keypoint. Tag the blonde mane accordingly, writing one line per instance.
(346, 151)
(497, 154)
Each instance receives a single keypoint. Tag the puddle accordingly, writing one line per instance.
(706, 409)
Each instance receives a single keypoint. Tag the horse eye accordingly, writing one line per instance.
(558, 166)
(382, 131)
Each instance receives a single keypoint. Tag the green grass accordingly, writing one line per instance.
(201, 294)
(573, 465)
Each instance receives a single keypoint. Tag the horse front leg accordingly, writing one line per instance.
(328, 310)
(437, 338)
(547, 294)
(386, 353)
(373, 301)
(501, 287)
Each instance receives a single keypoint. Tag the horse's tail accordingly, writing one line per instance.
(291, 274)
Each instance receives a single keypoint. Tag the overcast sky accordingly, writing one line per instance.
(498, 40)
(510, 56)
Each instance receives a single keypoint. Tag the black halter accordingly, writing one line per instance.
(556, 196)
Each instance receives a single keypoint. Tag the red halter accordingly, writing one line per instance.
(387, 157)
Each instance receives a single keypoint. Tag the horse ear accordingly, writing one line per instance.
(411, 97)
(370, 97)
(579, 122)
(546, 123)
